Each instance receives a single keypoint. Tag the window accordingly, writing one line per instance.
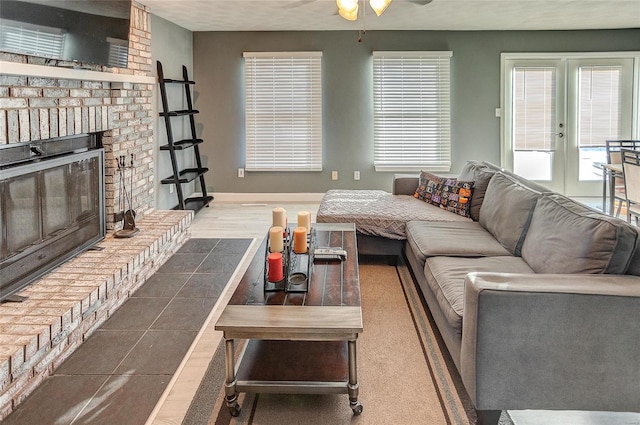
(118, 52)
(36, 40)
(411, 122)
(283, 111)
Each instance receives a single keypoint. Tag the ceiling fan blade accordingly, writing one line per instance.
(420, 2)
(297, 3)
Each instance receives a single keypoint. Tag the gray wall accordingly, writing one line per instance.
(173, 46)
(348, 100)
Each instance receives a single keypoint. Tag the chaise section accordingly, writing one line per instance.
(379, 213)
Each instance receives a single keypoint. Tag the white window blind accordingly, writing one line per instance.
(600, 102)
(36, 40)
(534, 108)
(118, 52)
(283, 111)
(412, 110)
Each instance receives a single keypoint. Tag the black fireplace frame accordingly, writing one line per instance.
(31, 262)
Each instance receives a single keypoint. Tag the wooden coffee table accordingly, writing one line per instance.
(298, 343)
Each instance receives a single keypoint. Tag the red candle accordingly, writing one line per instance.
(275, 267)
(300, 240)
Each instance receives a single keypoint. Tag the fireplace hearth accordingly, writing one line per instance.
(51, 206)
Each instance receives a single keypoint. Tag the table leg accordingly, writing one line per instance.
(612, 193)
(353, 385)
(604, 191)
(230, 384)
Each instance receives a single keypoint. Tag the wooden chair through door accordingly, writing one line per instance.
(613, 148)
(631, 171)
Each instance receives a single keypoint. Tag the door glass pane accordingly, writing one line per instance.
(599, 114)
(534, 121)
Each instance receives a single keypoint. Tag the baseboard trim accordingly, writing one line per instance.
(255, 198)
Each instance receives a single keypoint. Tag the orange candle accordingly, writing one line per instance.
(304, 220)
(275, 273)
(299, 240)
(279, 217)
(275, 239)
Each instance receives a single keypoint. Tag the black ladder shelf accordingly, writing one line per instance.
(181, 176)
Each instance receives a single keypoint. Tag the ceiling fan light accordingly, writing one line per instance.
(379, 6)
(349, 15)
(347, 6)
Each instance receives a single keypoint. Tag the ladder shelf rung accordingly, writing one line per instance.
(179, 113)
(182, 144)
(196, 203)
(185, 176)
(173, 81)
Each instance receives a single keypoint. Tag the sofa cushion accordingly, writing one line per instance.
(506, 211)
(445, 277)
(480, 174)
(567, 237)
(457, 239)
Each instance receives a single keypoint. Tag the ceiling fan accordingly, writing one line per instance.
(348, 9)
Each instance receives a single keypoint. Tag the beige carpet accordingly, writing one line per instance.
(404, 378)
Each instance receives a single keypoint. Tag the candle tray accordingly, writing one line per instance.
(301, 266)
(279, 285)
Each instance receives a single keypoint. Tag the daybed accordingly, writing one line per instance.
(536, 296)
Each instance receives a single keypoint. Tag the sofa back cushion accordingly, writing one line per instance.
(506, 211)
(567, 237)
(479, 174)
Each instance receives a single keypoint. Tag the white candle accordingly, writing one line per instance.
(304, 220)
(280, 217)
(275, 239)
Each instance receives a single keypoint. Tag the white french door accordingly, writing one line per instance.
(558, 111)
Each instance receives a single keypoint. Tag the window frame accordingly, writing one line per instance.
(290, 138)
(429, 127)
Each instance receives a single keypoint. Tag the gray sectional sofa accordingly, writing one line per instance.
(536, 296)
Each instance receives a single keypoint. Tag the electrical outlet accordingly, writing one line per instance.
(356, 175)
(241, 173)
(170, 188)
(334, 175)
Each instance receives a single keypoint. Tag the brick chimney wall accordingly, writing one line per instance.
(36, 108)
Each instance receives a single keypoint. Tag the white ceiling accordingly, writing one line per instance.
(296, 15)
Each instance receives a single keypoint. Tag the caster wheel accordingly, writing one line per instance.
(357, 408)
(234, 410)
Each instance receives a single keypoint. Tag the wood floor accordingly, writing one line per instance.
(229, 220)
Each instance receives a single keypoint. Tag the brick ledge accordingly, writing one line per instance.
(68, 304)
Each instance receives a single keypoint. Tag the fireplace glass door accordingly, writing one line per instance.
(51, 210)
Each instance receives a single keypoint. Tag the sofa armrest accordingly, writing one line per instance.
(565, 342)
(405, 184)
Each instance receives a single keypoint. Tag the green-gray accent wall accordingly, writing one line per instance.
(173, 46)
(347, 86)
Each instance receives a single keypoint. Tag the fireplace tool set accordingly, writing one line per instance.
(129, 228)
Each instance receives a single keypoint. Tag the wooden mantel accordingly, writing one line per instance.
(31, 70)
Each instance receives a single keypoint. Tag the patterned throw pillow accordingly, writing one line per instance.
(447, 193)
(427, 185)
(454, 196)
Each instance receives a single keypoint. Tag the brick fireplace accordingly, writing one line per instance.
(65, 306)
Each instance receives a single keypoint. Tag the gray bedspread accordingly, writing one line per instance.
(378, 213)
